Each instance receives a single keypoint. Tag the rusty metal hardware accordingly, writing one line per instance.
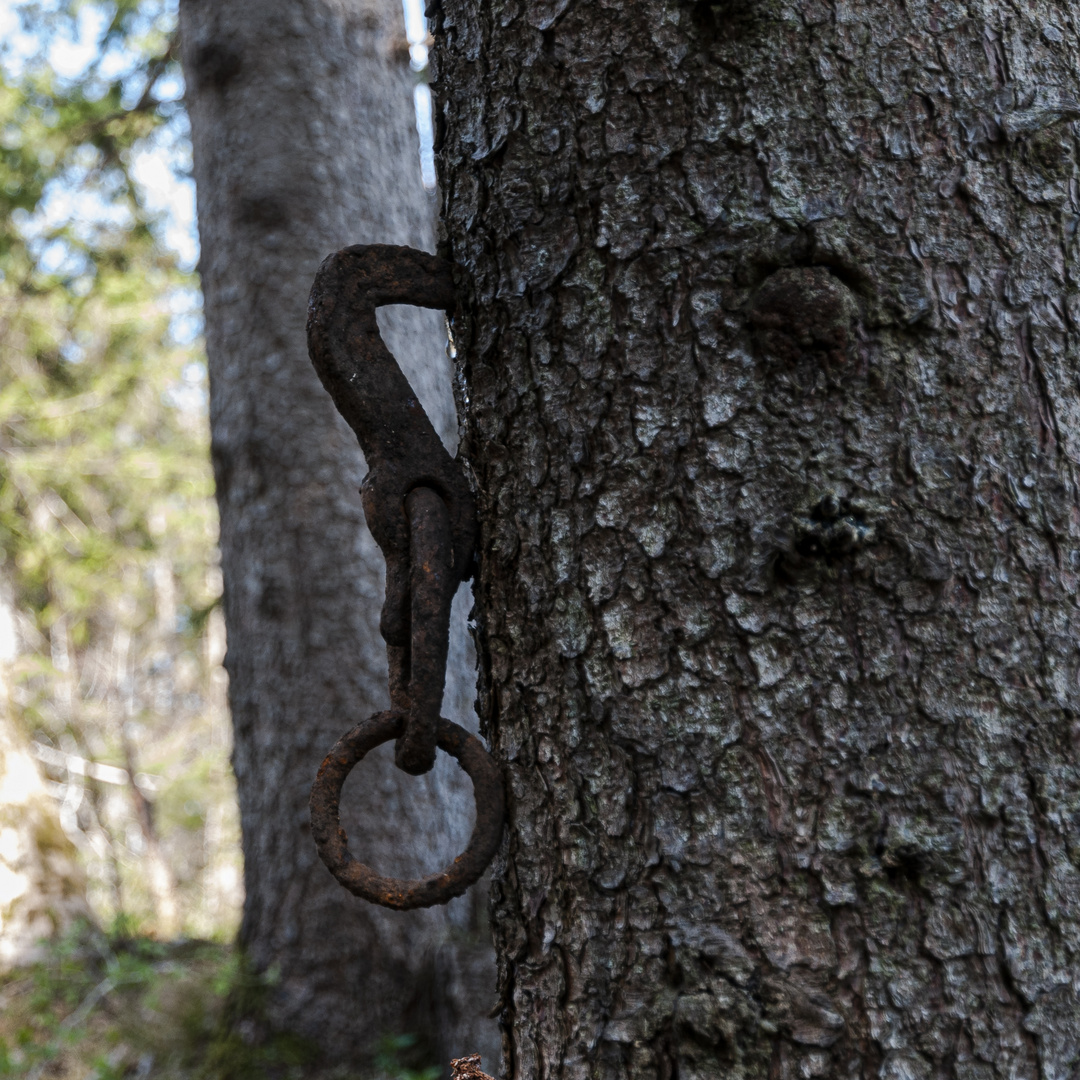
(390, 892)
(422, 514)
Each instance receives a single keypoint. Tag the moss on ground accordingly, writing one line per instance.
(102, 1007)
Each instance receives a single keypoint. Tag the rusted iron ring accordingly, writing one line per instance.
(361, 880)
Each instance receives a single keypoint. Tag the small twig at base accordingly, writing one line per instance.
(468, 1068)
(103, 989)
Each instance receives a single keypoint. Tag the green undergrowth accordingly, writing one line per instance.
(102, 1007)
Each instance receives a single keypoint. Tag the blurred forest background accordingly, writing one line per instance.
(120, 876)
(120, 856)
(111, 635)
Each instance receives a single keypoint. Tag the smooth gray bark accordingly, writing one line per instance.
(304, 142)
(774, 410)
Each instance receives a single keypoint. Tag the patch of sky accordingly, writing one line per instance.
(75, 48)
(161, 167)
(80, 46)
(18, 46)
(73, 216)
(77, 208)
(426, 131)
(416, 31)
(186, 324)
(189, 394)
(72, 352)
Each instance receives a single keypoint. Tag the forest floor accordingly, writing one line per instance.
(103, 1007)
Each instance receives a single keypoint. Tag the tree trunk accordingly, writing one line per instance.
(773, 409)
(304, 141)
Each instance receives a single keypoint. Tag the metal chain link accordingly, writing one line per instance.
(422, 514)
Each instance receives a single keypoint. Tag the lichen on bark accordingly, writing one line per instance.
(772, 405)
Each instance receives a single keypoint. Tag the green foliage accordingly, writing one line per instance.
(101, 464)
(242, 1046)
(107, 519)
(397, 1059)
(112, 1005)
(112, 1002)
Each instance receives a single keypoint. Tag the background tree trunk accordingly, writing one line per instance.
(304, 142)
(774, 416)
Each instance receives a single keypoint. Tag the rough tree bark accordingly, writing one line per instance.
(304, 141)
(774, 414)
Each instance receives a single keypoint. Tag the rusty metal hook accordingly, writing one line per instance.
(361, 880)
(402, 449)
(422, 514)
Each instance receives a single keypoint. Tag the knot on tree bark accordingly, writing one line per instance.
(804, 311)
(834, 526)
